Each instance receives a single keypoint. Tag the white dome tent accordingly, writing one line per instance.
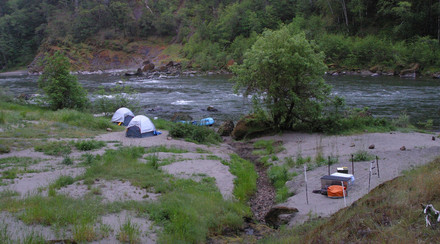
(122, 116)
(141, 126)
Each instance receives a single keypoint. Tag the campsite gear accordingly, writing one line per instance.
(336, 191)
(342, 170)
(205, 121)
(335, 179)
(141, 126)
(122, 116)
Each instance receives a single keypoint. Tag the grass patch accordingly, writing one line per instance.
(267, 147)
(30, 121)
(162, 124)
(362, 155)
(58, 210)
(164, 148)
(89, 145)
(245, 183)
(54, 148)
(194, 133)
(189, 211)
(129, 232)
(279, 175)
(17, 162)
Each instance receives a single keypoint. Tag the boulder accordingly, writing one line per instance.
(226, 128)
(211, 109)
(273, 216)
(148, 67)
(403, 148)
(249, 127)
(371, 146)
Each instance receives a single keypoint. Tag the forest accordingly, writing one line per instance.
(353, 34)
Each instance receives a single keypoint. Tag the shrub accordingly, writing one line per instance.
(89, 145)
(362, 155)
(62, 89)
(194, 133)
(54, 148)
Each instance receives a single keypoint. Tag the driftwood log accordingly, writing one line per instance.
(432, 215)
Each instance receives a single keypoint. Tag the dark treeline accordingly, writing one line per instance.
(214, 32)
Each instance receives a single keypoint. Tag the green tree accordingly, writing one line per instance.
(285, 70)
(62, 89)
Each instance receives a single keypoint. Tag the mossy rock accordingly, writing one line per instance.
(250, 127)
(4, 149)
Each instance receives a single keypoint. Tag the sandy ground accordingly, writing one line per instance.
(420, 149)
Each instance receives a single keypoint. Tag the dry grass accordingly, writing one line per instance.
(391, 213)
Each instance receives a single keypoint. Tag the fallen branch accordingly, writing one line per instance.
(431, 213)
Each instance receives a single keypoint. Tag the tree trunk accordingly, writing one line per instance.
(344, 8)
(330, 6)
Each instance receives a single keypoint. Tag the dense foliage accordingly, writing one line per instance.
(286, 71)
(215, 32)
(61, 89)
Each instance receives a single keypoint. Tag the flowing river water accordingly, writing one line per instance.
(162, 97)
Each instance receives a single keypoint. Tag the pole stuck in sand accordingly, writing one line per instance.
(377, 164)
(343, 193)
(305, 178)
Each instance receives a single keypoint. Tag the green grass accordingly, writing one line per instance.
(194, 133)
(55, 148)
(164, 148)
(279, 175)
(89, 145)
(267, 147)
(189, 211)
(245, 183)
(17, 162)
(362, 155)
(129, 232)
(58, 210)
(30, 121)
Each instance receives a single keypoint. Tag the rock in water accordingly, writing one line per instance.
(211, 109)
(403, 148)
(371, 146)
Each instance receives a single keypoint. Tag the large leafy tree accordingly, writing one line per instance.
(62, 89)
(283, 71)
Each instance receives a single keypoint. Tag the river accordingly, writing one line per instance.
(162, 97)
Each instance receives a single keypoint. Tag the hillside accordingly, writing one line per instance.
(388, 35)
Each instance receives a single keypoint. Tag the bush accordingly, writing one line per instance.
(89, 145)
(362, 155)
(54, 148)
(62, 89)
(194, 133)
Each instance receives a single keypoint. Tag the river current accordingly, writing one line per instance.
(162, 97)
